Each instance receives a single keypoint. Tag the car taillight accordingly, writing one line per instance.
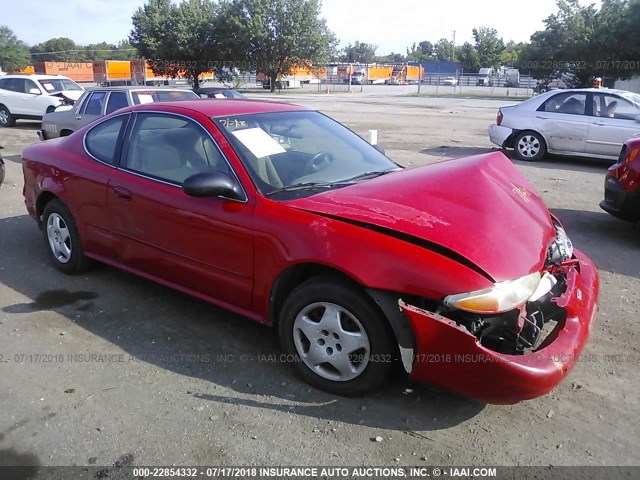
(499, 117)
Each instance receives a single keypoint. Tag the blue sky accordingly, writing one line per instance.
(392, 25)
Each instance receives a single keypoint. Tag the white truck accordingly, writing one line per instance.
(486, 77)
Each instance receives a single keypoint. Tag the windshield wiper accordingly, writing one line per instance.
(301, 186)
(360, 176)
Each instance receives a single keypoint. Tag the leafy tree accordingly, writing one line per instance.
(420, 52)
(391, 58)
(177, 40)
(512, 54)
(359, 52)
(60, 49)
(14, 55)
(444, 50)
(489, 46)
(468, 57)
(566, 47)
(276, 36)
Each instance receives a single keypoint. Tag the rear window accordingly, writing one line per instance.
(151, 96)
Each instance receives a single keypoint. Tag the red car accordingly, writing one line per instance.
(456, 269)
(621, 185)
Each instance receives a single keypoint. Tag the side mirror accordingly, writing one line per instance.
(35, 91)
(212, 184)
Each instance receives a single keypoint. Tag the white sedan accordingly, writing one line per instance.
(450, 81)
(585, 122)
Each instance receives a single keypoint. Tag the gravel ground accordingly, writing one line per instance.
(106, 368)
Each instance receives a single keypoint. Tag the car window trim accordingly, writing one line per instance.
(125, 148)
(119, 142)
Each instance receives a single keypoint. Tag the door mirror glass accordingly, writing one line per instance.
(212, 184)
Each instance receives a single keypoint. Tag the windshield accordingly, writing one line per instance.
(55, 85)
(301, 151)
(151, 96)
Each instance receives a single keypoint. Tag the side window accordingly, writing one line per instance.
(30, 84)
(102, 140)
(117, 100)
(15, 85)
(565, 102)
(3, 83)
(171, 148)
(614, 107)
(93, 106)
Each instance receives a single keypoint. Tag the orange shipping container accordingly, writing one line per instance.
(76, 71)
(112, 71)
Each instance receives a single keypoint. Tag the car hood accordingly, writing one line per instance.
(70, 94)
(480, 208)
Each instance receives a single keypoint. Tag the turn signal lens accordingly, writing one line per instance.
(502, 297)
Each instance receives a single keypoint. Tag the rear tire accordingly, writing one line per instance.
(62, 239)
(6, 119)
(529, 146)
(336, 338)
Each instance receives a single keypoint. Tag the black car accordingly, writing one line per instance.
(218, 92)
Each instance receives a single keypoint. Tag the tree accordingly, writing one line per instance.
(14, 55)
(420, 52)
(359, 52)
(60, 49)
(512, 54)
(177, 40)
(276, 36)
(566, 47)
(488, 46)
(444, 50)
(468, 57)
(391, 58)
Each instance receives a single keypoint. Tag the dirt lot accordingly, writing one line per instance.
(136, 373)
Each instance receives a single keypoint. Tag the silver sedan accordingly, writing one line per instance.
(102, 101)
(586, 122)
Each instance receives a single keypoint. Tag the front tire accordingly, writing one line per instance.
(6, 119)
(62, 239)
(338, 340)
(529, 146)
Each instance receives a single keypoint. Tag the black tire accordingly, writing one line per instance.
(365, 372)
(529, 146)
(6, 119)
(62, 239)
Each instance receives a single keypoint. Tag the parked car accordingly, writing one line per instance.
(585, 122)
(32, 96)
(622, 183)
(285, 216)
(102, 101)
(453, 81)
(218, 92)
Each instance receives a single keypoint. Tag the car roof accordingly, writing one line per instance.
(141, 88)
(214, 107)
(34, 76)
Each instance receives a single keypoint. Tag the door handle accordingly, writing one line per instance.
(123, 193)
(599, 123)
(542, 117)
(78, 117)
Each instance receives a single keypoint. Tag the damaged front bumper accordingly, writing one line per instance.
(449, 356)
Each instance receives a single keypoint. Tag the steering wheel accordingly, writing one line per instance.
(316, 163)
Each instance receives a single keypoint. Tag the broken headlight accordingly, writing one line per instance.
(561, 249)
(502, 297)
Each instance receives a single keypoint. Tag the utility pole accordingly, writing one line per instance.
(453, 54)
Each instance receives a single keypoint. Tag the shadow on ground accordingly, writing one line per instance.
(159, 325)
